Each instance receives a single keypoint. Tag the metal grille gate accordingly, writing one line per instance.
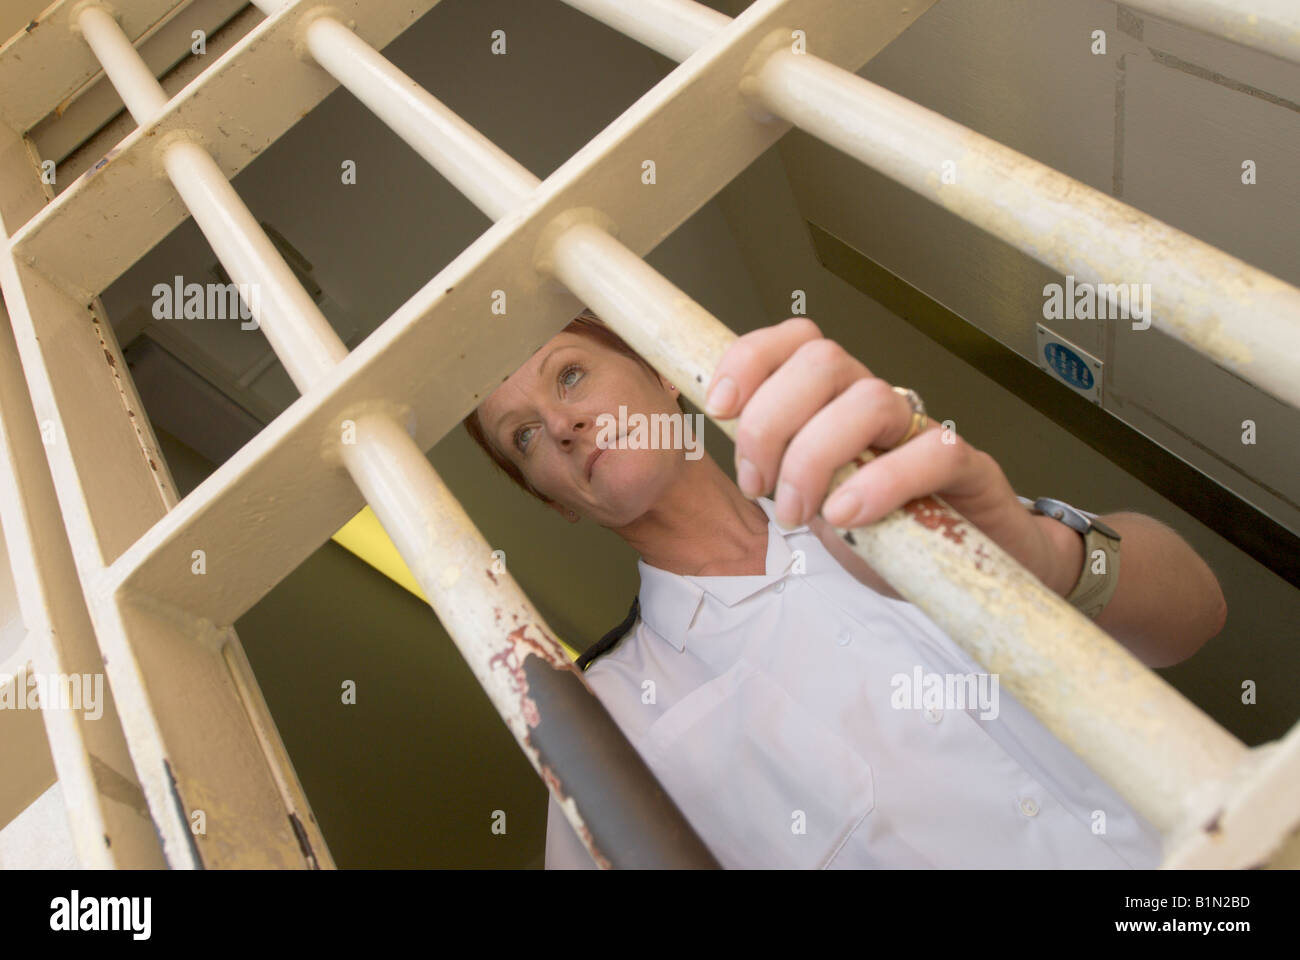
(102, 550)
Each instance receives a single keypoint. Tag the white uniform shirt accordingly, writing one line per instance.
(764, 706)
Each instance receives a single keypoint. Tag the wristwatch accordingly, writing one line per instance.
(1100, 573)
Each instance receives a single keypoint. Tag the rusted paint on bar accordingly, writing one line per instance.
(513, 654)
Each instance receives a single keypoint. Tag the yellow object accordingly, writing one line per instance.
(365, 536)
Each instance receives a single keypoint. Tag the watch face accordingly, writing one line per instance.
(1063, 512)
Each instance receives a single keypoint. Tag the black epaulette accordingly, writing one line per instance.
(609, 640)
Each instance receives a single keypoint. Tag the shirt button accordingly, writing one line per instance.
(843, 638)
(933, 714)
(1028, 807)
(780, 586)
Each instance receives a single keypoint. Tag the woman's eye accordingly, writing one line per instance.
(520, 434)
(564, 375)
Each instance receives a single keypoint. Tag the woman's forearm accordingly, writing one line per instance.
(1167, 603)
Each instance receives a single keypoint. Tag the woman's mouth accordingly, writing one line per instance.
(591, 460)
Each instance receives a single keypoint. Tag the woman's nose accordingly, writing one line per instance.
(570, 427)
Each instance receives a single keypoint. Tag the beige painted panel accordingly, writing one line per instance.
(47, 62)
(24, 753)
(110, 821)
(162, 49)
(177, 696)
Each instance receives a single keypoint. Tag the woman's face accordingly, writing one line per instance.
(544, 418)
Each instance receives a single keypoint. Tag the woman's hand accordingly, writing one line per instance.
(807, 407)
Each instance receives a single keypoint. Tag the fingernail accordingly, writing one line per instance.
(748, 478)
(841, 508)
(789, 504)
(721, 397)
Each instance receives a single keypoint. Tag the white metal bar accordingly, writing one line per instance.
(1238, 824)
(492, 180)
(299, 333)
(1269, 25)
(1237, 315)
(670, 27)
(134, 82)
(623, 819)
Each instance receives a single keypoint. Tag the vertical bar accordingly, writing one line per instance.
(620, 812)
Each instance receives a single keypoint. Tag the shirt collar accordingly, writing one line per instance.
(670, 601)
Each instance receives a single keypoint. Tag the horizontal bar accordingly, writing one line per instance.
(1244, 319)
(1240, 522)
(1272, 26)
(671, 27)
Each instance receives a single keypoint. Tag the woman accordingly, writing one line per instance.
(769, 677)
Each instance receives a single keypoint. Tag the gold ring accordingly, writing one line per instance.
(919, 417)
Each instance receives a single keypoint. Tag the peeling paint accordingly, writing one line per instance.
(114, 786)
(304, 842)
(929, 513)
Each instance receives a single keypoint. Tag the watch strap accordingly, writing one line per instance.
(1100, 574)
